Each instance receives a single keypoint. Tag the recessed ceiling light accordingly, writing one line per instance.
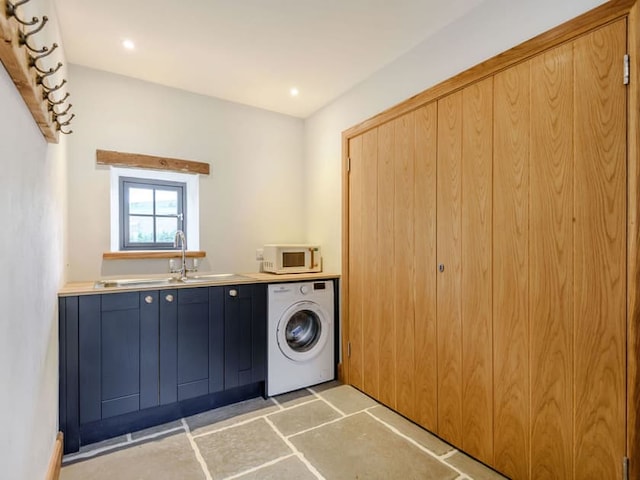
(294, 92)
(128, 44)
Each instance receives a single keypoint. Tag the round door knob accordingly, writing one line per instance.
(304, 289)
(148, 299)
(169, 298)
(233, 292)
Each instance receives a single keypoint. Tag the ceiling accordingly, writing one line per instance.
(251, 51)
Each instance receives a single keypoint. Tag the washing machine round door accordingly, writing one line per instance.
(303, 331)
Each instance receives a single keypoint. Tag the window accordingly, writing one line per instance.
(148, 206)
(151, 213)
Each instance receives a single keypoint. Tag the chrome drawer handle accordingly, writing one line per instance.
(169, 298)
(233, 292)
(148, 299)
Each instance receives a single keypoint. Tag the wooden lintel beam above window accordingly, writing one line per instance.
(137, 160)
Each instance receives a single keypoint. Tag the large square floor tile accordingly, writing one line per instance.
(411, 430)
(476, 470)
(360, 447)
(229, 415)
(240, 448)
(301, 418)
(347, 399)
(288, 469)
(167, 458)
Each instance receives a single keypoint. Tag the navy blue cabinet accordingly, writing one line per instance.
(118, 354)
(131, 360)
(191, 343)
(245, 340)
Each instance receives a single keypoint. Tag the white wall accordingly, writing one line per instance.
(32, 193)
(493, 27)
(254, 194)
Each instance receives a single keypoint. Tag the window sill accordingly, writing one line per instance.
(145, 254)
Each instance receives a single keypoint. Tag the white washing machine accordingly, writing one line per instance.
(300, 345)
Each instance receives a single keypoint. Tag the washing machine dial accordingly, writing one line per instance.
(304, 289)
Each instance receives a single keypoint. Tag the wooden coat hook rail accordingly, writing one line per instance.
(33, 70)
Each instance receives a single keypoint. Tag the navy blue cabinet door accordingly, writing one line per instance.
(245, 334)
(191, 332)
(118, 351)
(193, 342)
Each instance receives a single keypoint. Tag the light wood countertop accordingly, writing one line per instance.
(88, 288)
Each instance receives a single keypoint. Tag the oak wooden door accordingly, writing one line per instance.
(392, 269)
(559, 281)
(464, 281)
(487, 263)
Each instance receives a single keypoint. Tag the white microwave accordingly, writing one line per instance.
(299, 258)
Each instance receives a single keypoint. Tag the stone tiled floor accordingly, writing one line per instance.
(331, 431)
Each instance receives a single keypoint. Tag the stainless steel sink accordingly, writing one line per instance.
(136, 282)
(216, 277)
(163, 282)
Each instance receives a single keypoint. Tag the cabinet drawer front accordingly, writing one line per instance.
(193, 295)
(120, 301)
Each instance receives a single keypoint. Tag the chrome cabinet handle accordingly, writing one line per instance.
(233, 292)
(169, 298)
(148, 299)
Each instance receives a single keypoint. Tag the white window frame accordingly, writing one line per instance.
(193, 208)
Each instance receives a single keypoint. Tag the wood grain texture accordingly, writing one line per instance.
(633, 255)
(385, 290)
(551, 264)
(55, 462)
(606, 12)
(510, 270)
(15, 59)
(449, 248)
(426, 345)
(343, 367)
(600, 253)
(371, 255)
(356, 263)
(404, 305)
(137, 160)
(476, 280)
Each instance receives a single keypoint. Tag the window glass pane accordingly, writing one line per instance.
(140, 229)
(141, 201)
(166, 202)
(166, 229)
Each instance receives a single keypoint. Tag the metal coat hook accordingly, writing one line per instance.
(63, 113)
(11, 12)
(44, 21)
(46, 73)
(66, 133)
(47, 52)
(24, 37)
(49, 90)
(65, 124)
(59, 102)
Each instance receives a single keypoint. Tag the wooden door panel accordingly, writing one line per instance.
(449, 244)
(404, 265)
(426, 372)
(510, 270)
(551, 264)
(370, 255)
(476, 279)
(386, 286)
(600, 253)
(357, 281)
